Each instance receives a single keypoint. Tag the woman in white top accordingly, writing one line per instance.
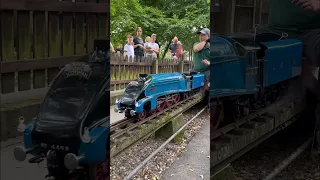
(128, 48)
(154, 46)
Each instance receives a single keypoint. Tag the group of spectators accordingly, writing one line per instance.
(137, 47)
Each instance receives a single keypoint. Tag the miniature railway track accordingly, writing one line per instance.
(120, 124)
(122, 132)
(281, 166)
(233, 140)
(126, 125)
(288, 148)
(140, 166)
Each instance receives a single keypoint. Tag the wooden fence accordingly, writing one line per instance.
(123, 70)
(39, 36)
(228, 16)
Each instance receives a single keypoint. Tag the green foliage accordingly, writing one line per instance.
(166, 18)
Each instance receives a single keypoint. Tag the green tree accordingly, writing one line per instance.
(182, 18)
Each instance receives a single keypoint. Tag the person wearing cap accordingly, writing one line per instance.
(201, 56)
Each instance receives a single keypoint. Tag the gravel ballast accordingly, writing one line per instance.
(124, 163)
(259, 162)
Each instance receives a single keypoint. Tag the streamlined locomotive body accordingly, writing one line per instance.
(249, 70)
(71, 130)
(154, 92)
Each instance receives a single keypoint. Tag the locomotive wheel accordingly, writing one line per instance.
(142, 115)
(161, 105)
(237, 113)
(216, 116)
(192, 93)
(60, 172)
(152, 112)
(101, 171)
(185, 96)
(169, 101)
(232, 112)
(176, 98)
(127, 114)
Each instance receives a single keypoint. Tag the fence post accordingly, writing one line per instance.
(155, 66)
(180, 66)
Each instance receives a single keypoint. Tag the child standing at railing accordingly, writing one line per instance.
(128, 48)
(148, 49)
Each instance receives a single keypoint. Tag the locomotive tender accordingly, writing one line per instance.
(152, 93)
(72, 127)
(250, 70)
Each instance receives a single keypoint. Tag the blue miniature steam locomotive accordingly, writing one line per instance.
(71, 130)
(249, 71)
(153, 93)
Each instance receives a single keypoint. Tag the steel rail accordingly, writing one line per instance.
(139, 123)
(289, 160)
(162, 146)
(121, 123)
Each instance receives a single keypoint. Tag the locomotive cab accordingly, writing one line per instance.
(229, 55)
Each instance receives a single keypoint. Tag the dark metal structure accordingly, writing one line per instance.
(228, 16)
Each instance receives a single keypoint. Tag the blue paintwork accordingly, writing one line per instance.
(197, 81)
(164, 84)
(164, 78)
(167, 83)
(282, 60)
(95, 151)
(27, 139)
(160, 85)
(117, 104)
(229, 72)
